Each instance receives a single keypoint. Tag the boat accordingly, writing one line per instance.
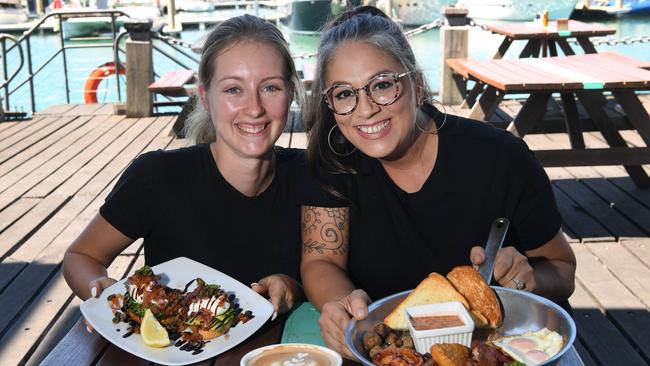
(81, 26)
(614, 7)
(189, 6)
(517, 10)
(79, 21)
(305, 16)
(415, 12)
(137, 9)
(637, 6)
(12, 12)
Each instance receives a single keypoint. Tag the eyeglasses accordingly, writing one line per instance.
(383, 90)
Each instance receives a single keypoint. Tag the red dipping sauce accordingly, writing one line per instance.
(438, 321)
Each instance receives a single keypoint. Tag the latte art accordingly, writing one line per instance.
(293, 355)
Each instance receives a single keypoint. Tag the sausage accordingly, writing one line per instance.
(382, 329)
(391, 339)
(374, 350)
(370, 340)
(407, 341)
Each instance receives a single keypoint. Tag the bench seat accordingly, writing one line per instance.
(172, 83)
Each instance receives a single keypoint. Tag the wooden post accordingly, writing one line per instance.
(139, 74)
(139, 69)
(454, 44)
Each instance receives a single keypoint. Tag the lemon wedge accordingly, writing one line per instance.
(153, 334)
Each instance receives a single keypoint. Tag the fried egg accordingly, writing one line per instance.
(531, 348)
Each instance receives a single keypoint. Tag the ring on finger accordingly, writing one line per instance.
(519, 284)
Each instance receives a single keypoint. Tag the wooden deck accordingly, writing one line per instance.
(56, 170)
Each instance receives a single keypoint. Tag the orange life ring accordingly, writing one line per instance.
(95, 78)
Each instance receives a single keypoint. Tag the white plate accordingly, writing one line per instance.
(180, 271)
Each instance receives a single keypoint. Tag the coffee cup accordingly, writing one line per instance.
(292, 354)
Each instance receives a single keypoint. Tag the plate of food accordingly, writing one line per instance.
(177, 312)
(510, 327)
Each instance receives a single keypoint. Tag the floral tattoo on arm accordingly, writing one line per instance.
(325, 230)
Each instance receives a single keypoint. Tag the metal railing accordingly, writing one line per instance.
(23, 46)
(6, 79)
(164, 47)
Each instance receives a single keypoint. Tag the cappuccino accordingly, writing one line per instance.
(292, 355)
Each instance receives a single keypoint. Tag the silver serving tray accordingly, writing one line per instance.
(523, 312)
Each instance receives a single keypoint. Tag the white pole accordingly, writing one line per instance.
(171, 16)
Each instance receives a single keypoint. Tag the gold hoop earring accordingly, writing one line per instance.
(329, 143)
(444, 120)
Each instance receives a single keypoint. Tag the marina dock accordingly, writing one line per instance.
(222, 11)
(56, 170)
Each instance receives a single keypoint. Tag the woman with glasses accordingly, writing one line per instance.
(425, 185)
(232, 201)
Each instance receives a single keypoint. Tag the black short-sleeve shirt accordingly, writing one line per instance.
(181, 205)
(481, 173)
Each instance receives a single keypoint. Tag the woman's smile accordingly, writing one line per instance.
(374, 130)
(252, 129)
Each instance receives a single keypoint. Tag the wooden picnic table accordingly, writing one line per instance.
(583, 76)
(545, 39)
(298, 326)
(541, 41)
(79, 347)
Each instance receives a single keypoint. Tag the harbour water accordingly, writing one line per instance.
(50, 82)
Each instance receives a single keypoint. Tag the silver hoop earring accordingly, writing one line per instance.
(444, 120)
(329, 143)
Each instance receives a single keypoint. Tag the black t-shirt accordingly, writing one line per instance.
(481, 174)
(181, 205)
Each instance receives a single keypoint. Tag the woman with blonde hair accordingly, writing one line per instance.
(232, 200)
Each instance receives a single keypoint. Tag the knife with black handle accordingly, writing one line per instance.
(494, 242)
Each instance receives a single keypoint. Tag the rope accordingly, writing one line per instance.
(475, 24)
(307, 55)
(425, 28)
(596, 42)
(173, 40)
(615, 42)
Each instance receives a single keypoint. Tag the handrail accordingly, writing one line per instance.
(60, 16)
(8, 79)
(68, 15)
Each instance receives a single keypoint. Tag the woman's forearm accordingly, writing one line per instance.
(324, 281)
(90, 254)
(79, 269)
(554, 279)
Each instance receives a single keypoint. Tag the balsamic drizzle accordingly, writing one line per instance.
(187, 286)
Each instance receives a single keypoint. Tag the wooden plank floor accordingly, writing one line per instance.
(56, 170)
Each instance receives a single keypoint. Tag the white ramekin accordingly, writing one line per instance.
(424, 339)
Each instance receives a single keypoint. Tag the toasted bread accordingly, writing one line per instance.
(483, 303)
(479, 319)
(432, 290)
(449, 354)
